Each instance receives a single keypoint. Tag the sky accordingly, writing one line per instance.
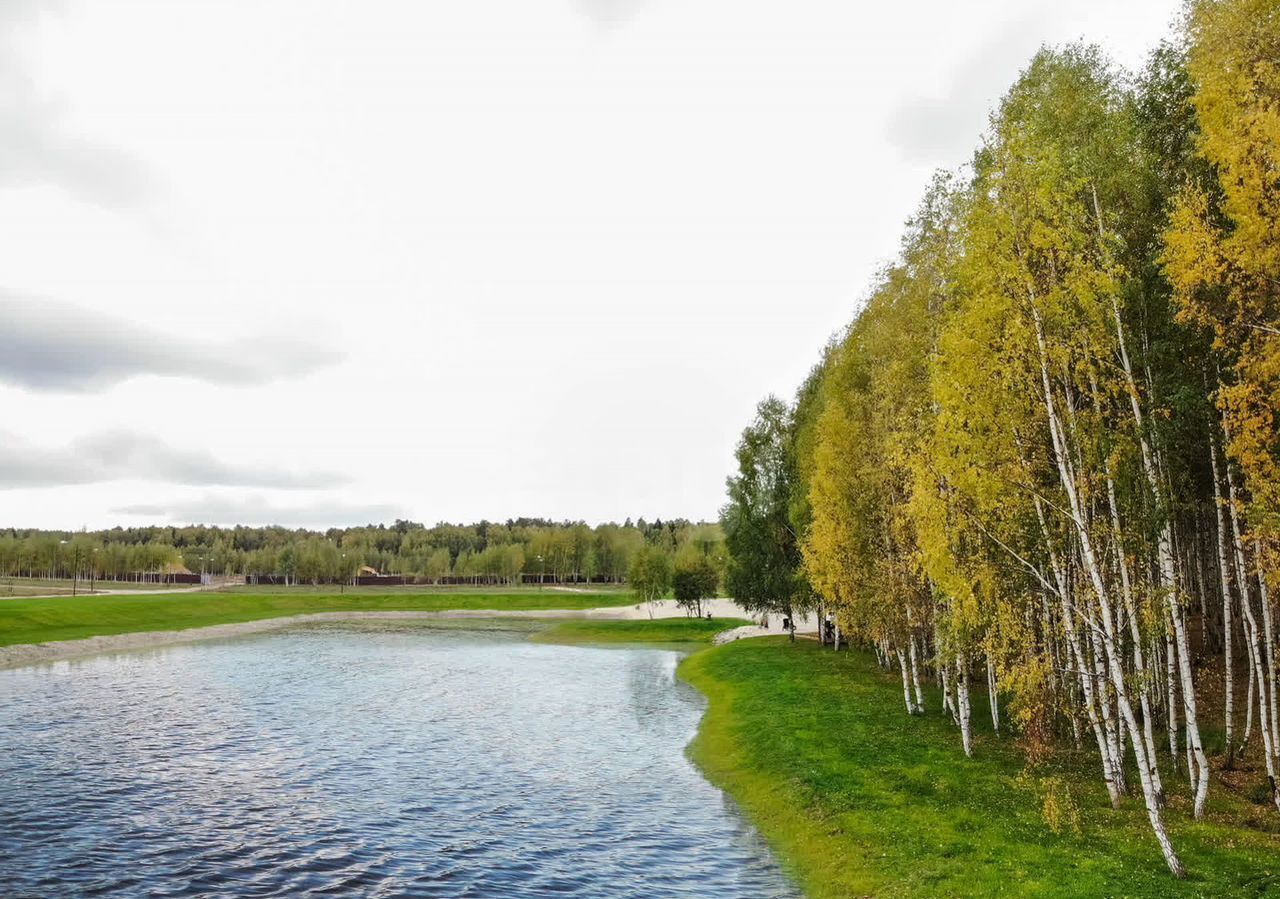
(322, 263)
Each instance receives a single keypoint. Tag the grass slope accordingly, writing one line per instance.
(659, 630)
(860, 800)
(64, 618)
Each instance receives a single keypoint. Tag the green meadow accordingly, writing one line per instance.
(66, 618)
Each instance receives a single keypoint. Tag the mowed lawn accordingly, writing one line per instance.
(659, 630)
(860, 800)
(66, 618)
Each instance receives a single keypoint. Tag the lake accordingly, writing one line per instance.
(357, 761)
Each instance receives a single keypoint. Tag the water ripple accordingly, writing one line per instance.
(382, 763)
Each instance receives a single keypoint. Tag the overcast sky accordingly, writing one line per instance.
(320, 263)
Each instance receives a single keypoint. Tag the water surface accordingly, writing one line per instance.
(365, 762)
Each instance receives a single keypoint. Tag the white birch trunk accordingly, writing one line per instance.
(1109, 763)
(944, 681)
(1131, 613)
(1171, 686)
(1264, 599)
(1264, 729)
(1248, 712)
(1110, 723)
(1267, 725)
(962, 699)
(1092, 568)
(915, 677)
(1228, 662)
(906, 684)
(1168, 573)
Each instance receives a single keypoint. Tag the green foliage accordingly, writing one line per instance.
(764, 553)
(694, 580)
(483, 553)
(650, 575)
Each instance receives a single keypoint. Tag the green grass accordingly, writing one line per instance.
(660, 630)
(860, 800)
(36, 586)
(66, 618)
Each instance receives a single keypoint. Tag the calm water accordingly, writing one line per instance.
(361, 762)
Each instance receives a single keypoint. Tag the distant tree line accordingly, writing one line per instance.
(484, 553)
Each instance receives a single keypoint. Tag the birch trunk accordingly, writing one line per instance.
(1228, 662)
(1171, 686)
(1168, 573)
(1255, 656)
(1131, 613)
(1110, 724)
(1265, 601)
(906, 685)
(962, 699)
(948, 705)
(915, 676)
(1248, 713)
(1109, 762)
(1263, 686)
(1094, 572)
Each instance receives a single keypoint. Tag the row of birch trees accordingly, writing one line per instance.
(1044, 455)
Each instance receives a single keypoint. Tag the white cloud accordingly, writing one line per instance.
(260, 511)
(38, 143)
(49, 345)
(120, 454)
(943, 129)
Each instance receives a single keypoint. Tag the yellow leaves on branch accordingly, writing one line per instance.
(1222, 246)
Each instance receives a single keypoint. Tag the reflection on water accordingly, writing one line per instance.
(336, 762)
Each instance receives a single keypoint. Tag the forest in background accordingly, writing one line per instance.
(1044, 453)
(483, 553)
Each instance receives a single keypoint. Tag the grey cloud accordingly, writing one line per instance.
(119, 454)
(49, 345)
(257, 511)
(944, 130)
(27, 466)
(38, 144)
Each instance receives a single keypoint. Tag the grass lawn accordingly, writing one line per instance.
(34, 586)
(860, 800)
(659, 630)
(65, 618)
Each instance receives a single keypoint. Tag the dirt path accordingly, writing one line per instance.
(122, 591)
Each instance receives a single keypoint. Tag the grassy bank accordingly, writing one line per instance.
(859, 800)
(65, 618)
(660, 630)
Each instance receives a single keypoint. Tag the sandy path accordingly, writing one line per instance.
(122, 591)
(36, 653)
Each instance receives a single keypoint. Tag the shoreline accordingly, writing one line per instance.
(21, 655)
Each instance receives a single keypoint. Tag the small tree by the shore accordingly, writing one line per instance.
(694, 581)
(650, 575)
